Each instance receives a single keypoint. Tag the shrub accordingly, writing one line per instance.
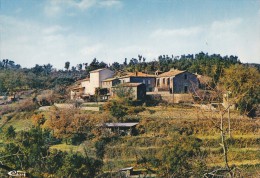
(26, 105)
(117, 110)
(78, 138)
(10, 132)
(135, 110)
(151, 111)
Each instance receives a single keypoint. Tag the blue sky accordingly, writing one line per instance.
(56, 31)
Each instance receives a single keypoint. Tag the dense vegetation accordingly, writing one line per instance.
(169, 141)
(14, 78)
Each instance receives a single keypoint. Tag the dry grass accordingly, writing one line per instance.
(159, 128)
(237, 163)
(67, 148)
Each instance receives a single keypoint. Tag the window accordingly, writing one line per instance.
(168, 81)
(149, 82)
(163, 81)
(185, 76)
(158, 82)
(185, 89)
(143, 81)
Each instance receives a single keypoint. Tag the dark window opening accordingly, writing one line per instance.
(158, 82)
(185, 89)
(185, 76)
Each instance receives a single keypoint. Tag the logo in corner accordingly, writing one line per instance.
(17, 173)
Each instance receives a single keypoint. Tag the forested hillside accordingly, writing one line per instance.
(14, 77)
(203, 139)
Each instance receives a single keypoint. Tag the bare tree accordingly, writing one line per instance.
(217, 117)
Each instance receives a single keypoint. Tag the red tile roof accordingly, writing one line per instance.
(97, 70)
(172, 72)
(137, 74)
(109, 79)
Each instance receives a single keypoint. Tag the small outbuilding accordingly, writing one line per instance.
(137, 91)
(128, 171)
(122, 128)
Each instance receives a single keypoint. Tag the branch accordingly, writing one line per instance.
(214, 173)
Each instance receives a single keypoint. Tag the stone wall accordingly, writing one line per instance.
(71, 106)
(183, 80)
(148, 81)
(172, 98)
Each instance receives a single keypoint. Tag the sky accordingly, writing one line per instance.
(55, 31)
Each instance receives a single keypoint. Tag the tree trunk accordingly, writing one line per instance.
(224, 145)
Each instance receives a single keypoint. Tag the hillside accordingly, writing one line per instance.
(162, 127)
(46, 134)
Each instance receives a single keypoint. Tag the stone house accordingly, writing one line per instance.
(109, 83)
(175, 86)
(137, 90)
(176, 81)
(86, 88)
(139, 77)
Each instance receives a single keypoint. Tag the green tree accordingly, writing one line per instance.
(14, 81)
(123, 93)
(100, 149)
(243, 84)
(67, 65)
(76, 165)
(117, 110)
(30, 152)
(10, 132)
(177, 160)
(79, 66)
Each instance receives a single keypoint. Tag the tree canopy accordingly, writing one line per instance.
(242, 83)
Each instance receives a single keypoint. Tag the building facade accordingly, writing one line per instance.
(109, 83)
(88, 86)
(139, 77)
(177, 81)
(136, 91)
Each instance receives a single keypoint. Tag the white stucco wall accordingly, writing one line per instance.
(86, 84)
(94, 83)
(125, 80)
(95, 80)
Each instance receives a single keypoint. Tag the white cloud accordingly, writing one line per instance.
(83, 4)
(226, 25)
(176, 32)
(56, 7)
(227, 37)
(53, 29)
(52, 8)
(91, 51)
(110, 3)
(30, 43)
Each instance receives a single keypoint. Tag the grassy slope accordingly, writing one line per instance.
(159, 128)
(244, 150)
